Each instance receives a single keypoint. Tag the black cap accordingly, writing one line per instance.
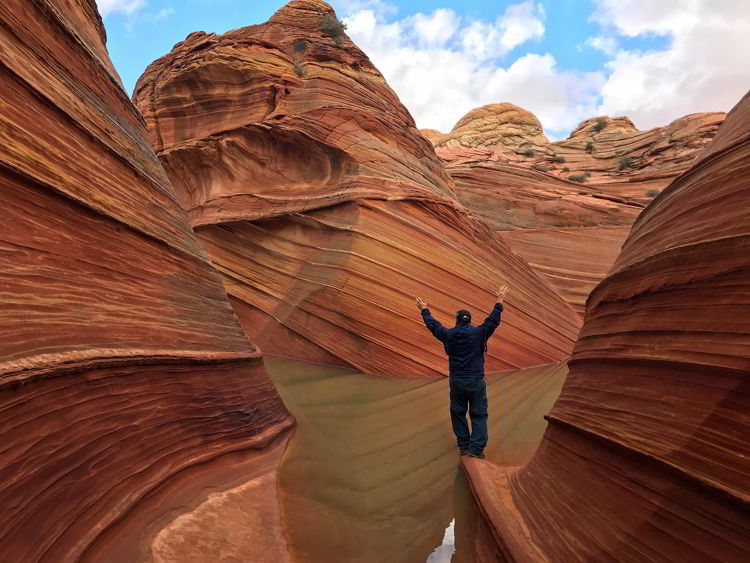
(463, 316)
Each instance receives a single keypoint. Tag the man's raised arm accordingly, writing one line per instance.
(437, 330)
(493, 320)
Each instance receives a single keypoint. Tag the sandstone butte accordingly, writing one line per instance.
(128, 390)
(646, 454)
(507, 172)
(325, 209)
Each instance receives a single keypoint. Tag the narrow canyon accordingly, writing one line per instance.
(209, 349)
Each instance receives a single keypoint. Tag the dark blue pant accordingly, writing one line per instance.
(469, 393)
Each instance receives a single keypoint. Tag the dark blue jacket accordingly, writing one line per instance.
(465, 344)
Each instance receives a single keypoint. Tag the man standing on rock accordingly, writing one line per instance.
(465, 345)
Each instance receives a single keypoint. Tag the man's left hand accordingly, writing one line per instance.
(421, 303)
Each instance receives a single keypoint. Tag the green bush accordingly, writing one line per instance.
(589, 147)
(529, 152)
(626, 162)
(579, 177)
(333, 27)
(540, 168)
(600, 125)
(566, 169)
(558, 158)
(653, 193)
(299, 69)
(300, 47)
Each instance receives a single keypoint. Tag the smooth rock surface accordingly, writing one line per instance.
(122, 366)
(573, 260)
(325, 209)
(646, 455)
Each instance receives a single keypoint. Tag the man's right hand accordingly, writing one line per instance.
(501, 293)
(421, 303)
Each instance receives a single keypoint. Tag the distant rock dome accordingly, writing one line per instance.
(621, 125)
(496, 125)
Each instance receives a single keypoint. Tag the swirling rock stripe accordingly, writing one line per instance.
(646, 455)
(122, 364)
(324, 208)
(572, 260)
(509, 197)
(343, 279)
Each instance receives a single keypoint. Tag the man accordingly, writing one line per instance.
(465, 345)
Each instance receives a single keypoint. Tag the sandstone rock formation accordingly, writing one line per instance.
(573, 260)
(324, 207)
(431, 134)
(646, 455)
(569, 233)
(125, 379)
(507, 172)
(628, 162)
(508, 197)
(503, 132)
(618, 158)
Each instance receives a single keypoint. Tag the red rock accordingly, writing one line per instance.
(123, 369)
(573, 260)
(627, 162)
(323, 206)
(646, 455)
(507, 172)
(508, 197)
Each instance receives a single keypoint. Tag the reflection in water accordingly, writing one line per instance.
(372, 471)
(444, 552)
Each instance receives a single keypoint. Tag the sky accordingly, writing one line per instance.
(563, 60)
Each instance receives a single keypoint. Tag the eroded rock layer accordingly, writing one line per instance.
(509, 197)
(122, 365)
(607, 153)
(496, 131)
(572, 260)
(324, 207)
(630, 163)
(602, 176)
(646, 456)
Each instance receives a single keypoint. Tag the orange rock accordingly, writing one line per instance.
(573, 260)
(627, 162)
(324, 207)
(122, 365)
(431, 134)
(499, 130)
(621, 160)
(611, 171)
(646, 455)
(570, 233)
(509, 197)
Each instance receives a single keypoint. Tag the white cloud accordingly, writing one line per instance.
(442, 66)
(163, 14)
(348, 7)
(704, 67)
(607, 45)
(107, 7)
